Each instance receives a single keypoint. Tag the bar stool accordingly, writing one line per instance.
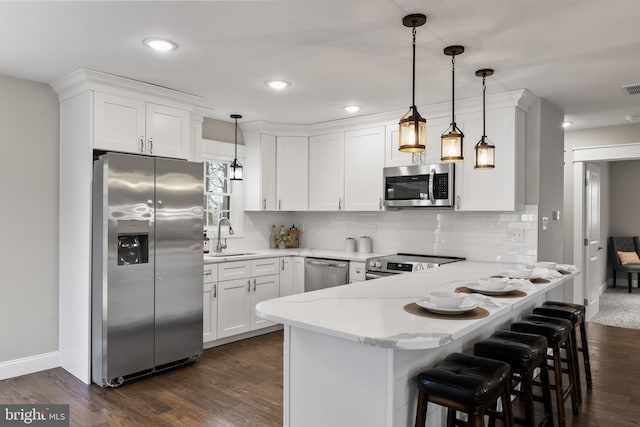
(557, 333)
(524, 353)
(584, 347)
(575, 317)
(468, 384)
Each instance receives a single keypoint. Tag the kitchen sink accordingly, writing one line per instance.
(229, 254)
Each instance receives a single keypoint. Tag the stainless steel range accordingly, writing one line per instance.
(389, 265)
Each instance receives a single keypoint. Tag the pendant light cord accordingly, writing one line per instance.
(453, 90)
(236, 141)
(413, 95)
(484, 108)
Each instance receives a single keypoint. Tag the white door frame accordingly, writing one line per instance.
(582, 155)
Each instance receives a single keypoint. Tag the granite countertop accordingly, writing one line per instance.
(274, 253)
(372, 312)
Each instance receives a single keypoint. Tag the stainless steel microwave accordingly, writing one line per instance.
(419, 186)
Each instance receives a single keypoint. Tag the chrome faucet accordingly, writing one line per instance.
(220, 246)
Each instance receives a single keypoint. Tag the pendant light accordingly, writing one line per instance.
(485, 150)
(451, 141)
(413, 127)
(236, 167)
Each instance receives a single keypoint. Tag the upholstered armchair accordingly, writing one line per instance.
(623, 256)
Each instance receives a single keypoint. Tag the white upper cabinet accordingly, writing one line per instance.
(501, 188)
(292, 173)
(134, 126)
(260, 172)
(435, 129)
(363, 164)
(326, 172)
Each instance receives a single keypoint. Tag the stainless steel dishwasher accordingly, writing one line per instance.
(320, 273)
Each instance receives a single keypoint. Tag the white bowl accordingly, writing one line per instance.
(545, 264)
(519, 274)
(446, 299)
(493, 283)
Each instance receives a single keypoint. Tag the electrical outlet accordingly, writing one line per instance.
(515, 235)
(545, 223)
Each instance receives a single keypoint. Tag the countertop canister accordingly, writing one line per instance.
(364, 245)
(350, 244)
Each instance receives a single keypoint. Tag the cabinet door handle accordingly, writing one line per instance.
(413, 158)
(254, 285)
(249, 285)
(264, 204)
(207, 273)
(215, 290)
(458, 202)
(380, 203)
(150, 145)
(280, 204)
(282, 261)
(142, 144)
(340, 204)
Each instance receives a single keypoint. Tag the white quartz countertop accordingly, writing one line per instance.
(274, 253)
(372, 312)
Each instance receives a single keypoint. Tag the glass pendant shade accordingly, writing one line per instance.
(413, 130)
(451, 146)
(485, 154)
(236, 170)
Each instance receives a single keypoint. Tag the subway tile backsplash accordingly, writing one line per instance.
(480, 236)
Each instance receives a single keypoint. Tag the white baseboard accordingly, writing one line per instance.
(29, 365)
(594, 304)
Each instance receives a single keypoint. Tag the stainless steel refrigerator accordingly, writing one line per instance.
(147, 266)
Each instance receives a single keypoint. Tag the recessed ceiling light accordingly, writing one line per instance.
(566, 124)
(277, 84)
(161, 45)
(351, 108)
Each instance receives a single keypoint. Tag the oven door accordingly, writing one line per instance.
(370, 275)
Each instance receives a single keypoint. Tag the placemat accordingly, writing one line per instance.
(516, 293)
(539, 281)
(476, 313)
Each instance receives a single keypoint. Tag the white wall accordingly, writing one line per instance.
(625, 203)
(29, 128)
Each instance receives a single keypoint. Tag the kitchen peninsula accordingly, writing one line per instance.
(351, 353)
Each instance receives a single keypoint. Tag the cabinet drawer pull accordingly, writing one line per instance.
(207, 273)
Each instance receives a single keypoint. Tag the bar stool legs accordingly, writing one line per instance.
(584, 344)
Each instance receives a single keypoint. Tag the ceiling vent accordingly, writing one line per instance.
(633, 89)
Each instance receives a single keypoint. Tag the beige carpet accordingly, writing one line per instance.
(619, 308)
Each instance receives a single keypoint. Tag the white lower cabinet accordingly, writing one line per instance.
(209, 302)
(357, 271)
(254, 282)
(291, 275)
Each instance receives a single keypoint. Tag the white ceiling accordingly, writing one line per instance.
(575, 53)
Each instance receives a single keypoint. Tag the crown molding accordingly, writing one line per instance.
(84, 79)
(521, 99)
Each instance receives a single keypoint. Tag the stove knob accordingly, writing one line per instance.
(378, 264)
(419, 267)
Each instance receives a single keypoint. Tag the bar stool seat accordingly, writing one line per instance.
(468, 384)
(584, 342)
(575, 316)
(557, 332)
(524, 353)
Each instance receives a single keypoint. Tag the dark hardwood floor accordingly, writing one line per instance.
(240, 385)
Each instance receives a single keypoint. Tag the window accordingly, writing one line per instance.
(223, 198)
(217, 191)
